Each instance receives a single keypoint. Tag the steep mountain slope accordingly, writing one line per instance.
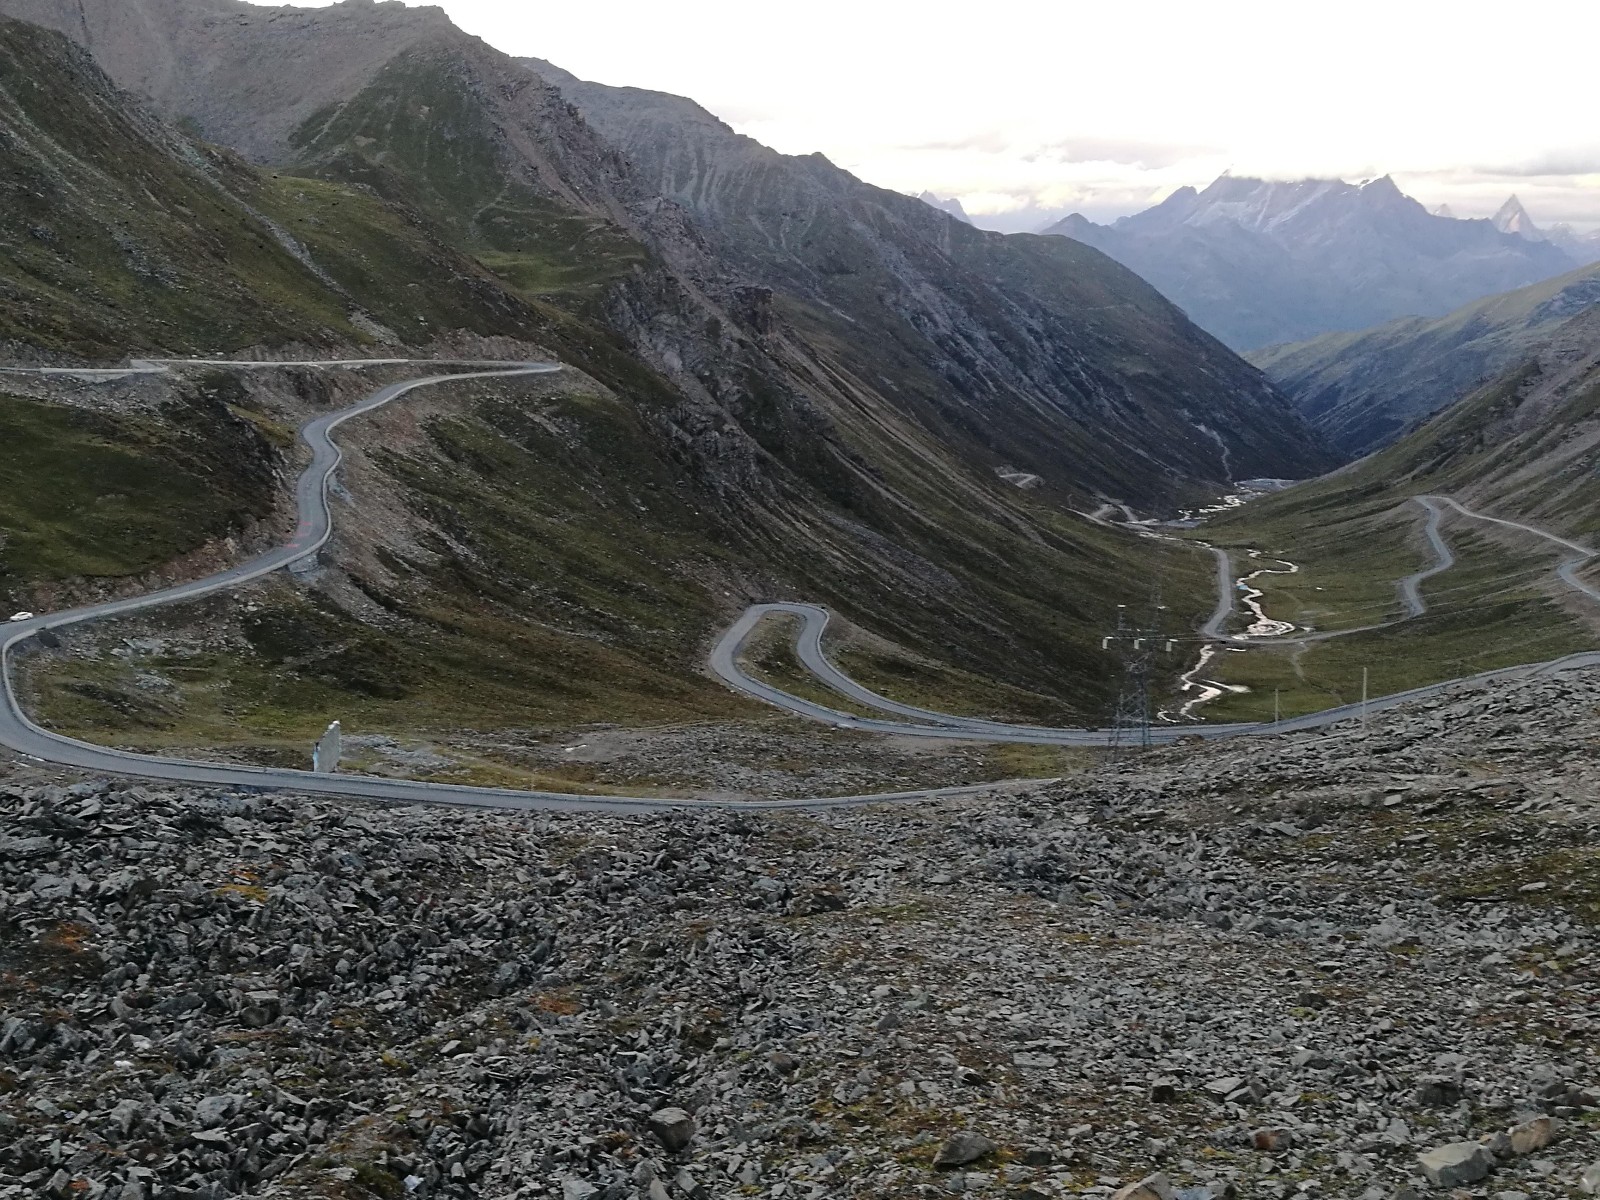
(510, 553)
(1258, 262)
(1056, 359)
(1361, 390)
(119, 235)
(237, 74)
(1525, 445)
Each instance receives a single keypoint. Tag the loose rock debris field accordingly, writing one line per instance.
(1357, 963)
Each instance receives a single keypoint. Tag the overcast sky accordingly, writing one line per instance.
(1023, 109)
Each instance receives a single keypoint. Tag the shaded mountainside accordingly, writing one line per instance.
(120, 235)
(1362, 390)
(1258, 262)
(1524, 446)
(1053, 357)
(1527, 444)
(593, 532)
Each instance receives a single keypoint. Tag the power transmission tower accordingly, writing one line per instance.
(1137, 645)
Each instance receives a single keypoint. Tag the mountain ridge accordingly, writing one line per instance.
(999, 315)
(1259, 262)
(1362, 390)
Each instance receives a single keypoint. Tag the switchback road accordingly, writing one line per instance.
(315, 524)
(1567, 572)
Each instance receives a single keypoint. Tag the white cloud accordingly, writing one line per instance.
(1017, 105)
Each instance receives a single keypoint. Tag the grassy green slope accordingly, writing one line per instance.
(421, 136)
(561, 569)
(88, 493)
(1524, 447)
(118, 235)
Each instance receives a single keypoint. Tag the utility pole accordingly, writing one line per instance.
(1275, 705)
(1363, 695)
(1137, 646)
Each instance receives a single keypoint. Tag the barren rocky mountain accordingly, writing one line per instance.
(1353, 964)
(239, 73)
(1032, 344)
(1259, 263)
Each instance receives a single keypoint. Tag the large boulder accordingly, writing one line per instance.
(673, 1127)
(962, 1148)
(1456, 1164)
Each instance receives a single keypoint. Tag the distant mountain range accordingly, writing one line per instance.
(1258, 262)
(1514, 219)
(948, 204)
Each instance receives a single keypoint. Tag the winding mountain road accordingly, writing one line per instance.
(1567, 571)
(1410, 588)
(926, 723)
(315, 524)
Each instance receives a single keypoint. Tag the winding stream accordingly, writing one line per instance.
(1264, 626)
(1196, 689)
(1261, 628)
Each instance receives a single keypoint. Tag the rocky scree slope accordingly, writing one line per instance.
(1258, 263)
(1363, 961)
(1363, 390)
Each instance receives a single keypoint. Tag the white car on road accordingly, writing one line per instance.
(22, 616)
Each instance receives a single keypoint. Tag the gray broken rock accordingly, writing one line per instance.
(1589, 1181)
(1532, 1135)
(1456, 1163)
(1163, 1090)
(962, 1148)
(1151, 1187)
(1436, 1091)
(1032, 1060)
(673, 1127)
(213, 1110)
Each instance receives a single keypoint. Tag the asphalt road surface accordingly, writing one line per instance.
(724, 663)
(315, 524)
(1567, 571)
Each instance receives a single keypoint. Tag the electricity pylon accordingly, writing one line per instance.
(1137, 645)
